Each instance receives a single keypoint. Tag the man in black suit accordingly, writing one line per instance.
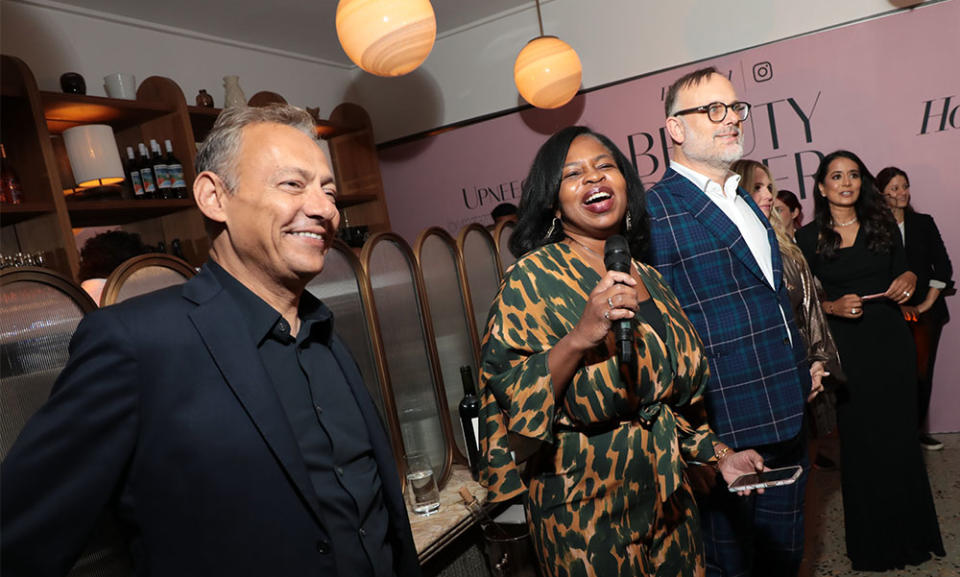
(222, 422)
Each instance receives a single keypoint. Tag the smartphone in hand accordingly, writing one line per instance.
(771, 478)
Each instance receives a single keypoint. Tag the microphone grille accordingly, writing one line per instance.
(616, 253)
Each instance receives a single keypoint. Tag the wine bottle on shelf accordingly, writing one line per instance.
(133, 172)
(470, 420)
(160, 171)
(146, 173)
(178, 183)
(11, 191)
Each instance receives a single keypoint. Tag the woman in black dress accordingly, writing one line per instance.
(927, 258)
(854, 248)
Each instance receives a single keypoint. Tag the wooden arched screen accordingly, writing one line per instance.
(340, 287)
(501, 236)
(455, 341)
(406, 357)
(479, 273)
(40, 312)
(143, 274)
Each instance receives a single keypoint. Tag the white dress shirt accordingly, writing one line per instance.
(738, 211)
(752, 230)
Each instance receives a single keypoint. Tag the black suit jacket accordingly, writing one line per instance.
(165, 413)
(927, 258)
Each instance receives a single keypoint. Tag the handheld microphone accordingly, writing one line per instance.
(616, 256)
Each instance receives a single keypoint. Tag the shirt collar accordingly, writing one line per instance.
(702, 182)
(263, 321)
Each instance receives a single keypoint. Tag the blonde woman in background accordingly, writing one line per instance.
(803, 289)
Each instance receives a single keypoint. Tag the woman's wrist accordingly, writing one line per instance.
(827, 307)
(722, 452)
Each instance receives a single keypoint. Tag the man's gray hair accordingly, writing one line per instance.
(218, 152)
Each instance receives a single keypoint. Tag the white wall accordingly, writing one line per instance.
(53, 39)
(470, 74)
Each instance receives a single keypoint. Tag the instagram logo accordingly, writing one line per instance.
(762, 71)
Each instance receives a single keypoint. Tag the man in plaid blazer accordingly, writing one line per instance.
(720, 256)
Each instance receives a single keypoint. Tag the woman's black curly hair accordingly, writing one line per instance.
(876, 222)
(540, 198)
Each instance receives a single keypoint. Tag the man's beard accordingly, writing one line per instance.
(702, 149)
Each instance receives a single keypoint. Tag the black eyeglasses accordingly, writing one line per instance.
(717, 111)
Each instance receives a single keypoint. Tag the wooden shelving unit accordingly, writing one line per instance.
(32, 124)
(63, 111)
(84, 213)
(201, 120)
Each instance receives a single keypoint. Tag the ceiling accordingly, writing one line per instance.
(304, 27)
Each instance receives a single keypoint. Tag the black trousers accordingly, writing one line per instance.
(926, 334)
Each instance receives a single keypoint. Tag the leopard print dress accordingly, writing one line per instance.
(605, 487)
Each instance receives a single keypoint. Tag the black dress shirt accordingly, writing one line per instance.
(327, 424)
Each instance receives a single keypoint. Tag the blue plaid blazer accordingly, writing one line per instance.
(758, 381)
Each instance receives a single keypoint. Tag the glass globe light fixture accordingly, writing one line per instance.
(386, 37)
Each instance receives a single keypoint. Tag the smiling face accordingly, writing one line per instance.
(282, 217)
(841, 185)
(593, 191)
(897, 192)
(762, 192)
(707, 146)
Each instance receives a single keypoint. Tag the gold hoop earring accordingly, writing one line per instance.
(553, 227)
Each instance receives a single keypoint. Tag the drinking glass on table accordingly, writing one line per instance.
(421, 484)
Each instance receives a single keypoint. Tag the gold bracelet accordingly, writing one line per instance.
(721, 454)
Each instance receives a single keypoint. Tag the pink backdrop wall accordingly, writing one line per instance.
(888, 89)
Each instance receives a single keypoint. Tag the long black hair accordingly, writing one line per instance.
(876, 221)
(540, 198)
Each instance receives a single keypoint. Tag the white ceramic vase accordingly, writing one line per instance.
(232, 93)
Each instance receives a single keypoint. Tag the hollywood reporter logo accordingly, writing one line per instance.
(762, 71)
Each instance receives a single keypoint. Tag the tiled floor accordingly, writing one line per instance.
(825, 549)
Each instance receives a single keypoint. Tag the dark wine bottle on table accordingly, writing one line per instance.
(470, 419)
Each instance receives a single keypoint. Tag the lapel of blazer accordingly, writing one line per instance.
(719, 224)
(908, 227)
(216, 318)
(775, 256)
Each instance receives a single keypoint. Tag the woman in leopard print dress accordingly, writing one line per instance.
(605, 488)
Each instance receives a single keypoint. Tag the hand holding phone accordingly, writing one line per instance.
(771, 478)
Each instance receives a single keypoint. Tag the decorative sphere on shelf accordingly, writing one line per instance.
(386, 37)
(547, 72)
(72, 83)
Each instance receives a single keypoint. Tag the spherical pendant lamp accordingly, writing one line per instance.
(386, 37)
(547, 72)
